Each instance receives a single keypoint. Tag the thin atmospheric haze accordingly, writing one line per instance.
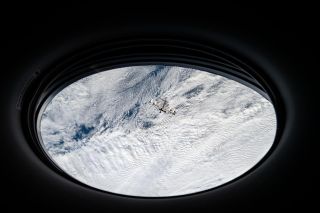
(157, 131)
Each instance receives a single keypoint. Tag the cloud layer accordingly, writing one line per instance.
(104, 131)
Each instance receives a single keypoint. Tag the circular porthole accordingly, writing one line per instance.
(155, 121)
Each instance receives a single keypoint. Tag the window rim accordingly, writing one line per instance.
(104, 56)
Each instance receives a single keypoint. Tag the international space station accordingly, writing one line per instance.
(163, 105)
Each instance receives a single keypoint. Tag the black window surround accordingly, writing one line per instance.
(138, 51)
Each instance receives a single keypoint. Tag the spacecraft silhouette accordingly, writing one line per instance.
(162, 105)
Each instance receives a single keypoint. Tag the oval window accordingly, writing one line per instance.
(156, 131)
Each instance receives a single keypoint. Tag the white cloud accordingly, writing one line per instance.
(103, 131)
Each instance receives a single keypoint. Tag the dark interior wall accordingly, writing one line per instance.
(282, 44)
